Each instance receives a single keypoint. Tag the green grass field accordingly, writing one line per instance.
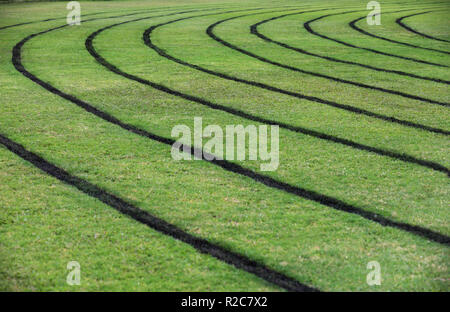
(364, 145)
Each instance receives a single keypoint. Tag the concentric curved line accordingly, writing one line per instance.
(123, 206)
(353, 25)
(47, 20)
(266, 180)
(307, 26)
(228, 166)
(159, 9)
(210, 32)
(254, 30)
(200, 244)
(163, 53)
(319, 135)
(400, 22)
(89, 14)
(243, 114)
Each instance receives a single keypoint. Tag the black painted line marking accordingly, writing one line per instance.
(47, 20)
(353, 25)
(83, 15)
(266, 180)
(163, 53)
(210, 32)
(398, 156)
(147, 40)
(307, 26)
(156, 9)
(255, 31)
(400, 22)
(231, 167)
(243, 114)
(200, 244)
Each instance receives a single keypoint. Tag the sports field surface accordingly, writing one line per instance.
(86, 172)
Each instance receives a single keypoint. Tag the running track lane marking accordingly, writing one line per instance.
(400, 22)
(353, 25)
(163, 53)
(210, 32)
(231, 167)
(254, 31)
(386, 153)
(310, 30)
(142, 216)
(340, 80)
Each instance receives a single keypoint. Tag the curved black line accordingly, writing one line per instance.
(163, 53)
(228, 166)
(310, 30)
(266, 180)
(255, 31)
(243, 114)
(399, 21)
(47, 20)
(210, 32)
(158, 9)
(200, 244)
(83, 15)
(353, 25)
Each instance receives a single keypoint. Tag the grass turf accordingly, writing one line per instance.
(45, 224)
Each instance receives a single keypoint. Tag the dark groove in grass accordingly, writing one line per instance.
(243, 114)
(210, 32)
(47, 20)
(399, 21)
(89, 14)
(254, 30)
(231, 167)
(202, 245)
(353, 25)
(266, 180)
(310, 30)
(163, 53)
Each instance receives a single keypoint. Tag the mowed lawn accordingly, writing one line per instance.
(364, 123)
